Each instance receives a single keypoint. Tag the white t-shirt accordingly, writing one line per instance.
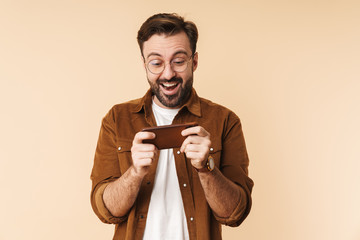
(166, 216)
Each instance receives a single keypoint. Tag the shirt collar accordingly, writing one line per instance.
(192, 105)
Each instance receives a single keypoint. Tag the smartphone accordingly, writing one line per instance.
(168, 136)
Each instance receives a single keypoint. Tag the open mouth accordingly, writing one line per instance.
(170, 88)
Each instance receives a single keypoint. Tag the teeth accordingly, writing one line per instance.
(169, 84)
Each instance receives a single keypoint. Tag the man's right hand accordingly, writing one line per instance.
(143, 154)
(120, 195)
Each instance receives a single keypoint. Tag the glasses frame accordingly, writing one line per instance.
(187, 65)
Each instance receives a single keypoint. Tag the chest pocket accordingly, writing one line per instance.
(215, 151)
(124, 155)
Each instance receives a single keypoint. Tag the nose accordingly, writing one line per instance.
(168, 72)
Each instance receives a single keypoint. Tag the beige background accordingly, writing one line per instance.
(289, 69)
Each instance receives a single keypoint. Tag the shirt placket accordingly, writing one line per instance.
(184, 172)
(186, 191)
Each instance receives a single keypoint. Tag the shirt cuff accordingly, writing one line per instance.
(234, 219)
(102, 210)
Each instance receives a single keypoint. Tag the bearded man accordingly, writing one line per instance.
(184, 192)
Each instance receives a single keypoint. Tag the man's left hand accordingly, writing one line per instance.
(196, 146)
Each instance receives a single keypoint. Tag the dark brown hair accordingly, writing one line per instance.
(169, 24)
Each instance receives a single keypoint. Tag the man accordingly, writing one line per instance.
(179, 193)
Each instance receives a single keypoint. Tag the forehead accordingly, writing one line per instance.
(167, 46)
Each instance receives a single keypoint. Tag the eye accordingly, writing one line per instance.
(156, 63)
(178, 61)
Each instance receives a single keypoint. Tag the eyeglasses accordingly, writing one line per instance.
(178, 64)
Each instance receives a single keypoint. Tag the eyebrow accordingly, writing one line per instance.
(176, 53)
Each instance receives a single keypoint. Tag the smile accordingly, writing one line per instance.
(170, 88)
(169, 85)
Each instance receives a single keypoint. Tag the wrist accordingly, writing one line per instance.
(137, 173)
(209, 165)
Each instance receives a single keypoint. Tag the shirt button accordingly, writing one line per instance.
(184, 185)
(119, 148)
(191, 219)
(211, 149)
(178, 152)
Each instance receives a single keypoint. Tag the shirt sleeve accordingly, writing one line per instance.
(106, 169)
(102, 212)
(234, 165)
(237, 213)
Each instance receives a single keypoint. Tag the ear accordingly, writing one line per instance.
(195, 61)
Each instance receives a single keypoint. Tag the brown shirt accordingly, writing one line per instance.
(113, 158)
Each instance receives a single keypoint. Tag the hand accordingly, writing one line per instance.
(196, 146)
(143, 154)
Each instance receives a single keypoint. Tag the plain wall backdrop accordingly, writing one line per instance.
(289, 69)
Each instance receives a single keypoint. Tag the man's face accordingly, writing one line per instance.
(171, 88)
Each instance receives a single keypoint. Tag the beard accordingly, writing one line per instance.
(175, 100)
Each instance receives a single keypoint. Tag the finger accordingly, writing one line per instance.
(195, 140)
(140, 136)
(143, 155)
(196, 148)
(143, 164)
(188, 141)
(184, 144)
(143, 147)
(200, 151)
(198, 130)
(196, 153)
(142, 160)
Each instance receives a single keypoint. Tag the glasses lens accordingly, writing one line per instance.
(156, 66)
(179, 64)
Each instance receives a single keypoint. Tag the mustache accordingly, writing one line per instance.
(174, 79)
